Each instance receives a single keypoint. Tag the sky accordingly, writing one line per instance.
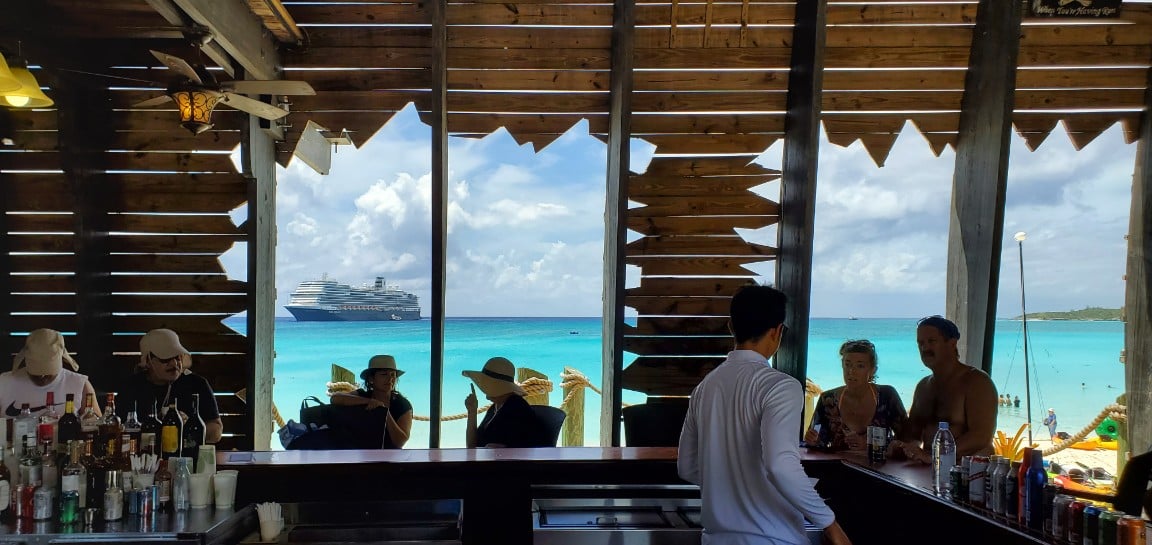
(526, 229)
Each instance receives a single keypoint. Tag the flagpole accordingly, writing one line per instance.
(1020, 237)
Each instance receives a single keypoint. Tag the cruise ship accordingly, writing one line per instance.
(326, 300)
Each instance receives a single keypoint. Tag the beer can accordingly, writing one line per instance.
(976, 475)
(132, 499)
(989, 478)
(1130, 530)
(1107, 527)
(1060, 517)
(955, 477)
(1091, 525)
(1076, 521)
(877, 444)
(965, 468)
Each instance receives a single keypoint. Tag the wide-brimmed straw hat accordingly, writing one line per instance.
(496, 379)
(377, 363)
(44, 353)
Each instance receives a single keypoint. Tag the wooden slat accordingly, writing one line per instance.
(721, 14)
(747, 204)
(336, 101)
(523, 123)
(43, 303)
(40, 222)
(1060, 33)
(524, 102)
(696, 266)
(716, 287)
(167, 302)
(883, 80)
(1085, 78)
(856, 123)
(133, 284)
(747, 58)
(396, 13)
(687, 225)
(892, 14)
(528, 80)
(170, 141)
(688, 325)
(687, 246)
(42, 263)
(174, 224)
(678, 346)
(643, 124)
(364, 80)
(529, 59)
(176, 202)
(1075, 56)
(886, 57)
(706, 80)
(196, 343)
(385, 37)
(665, 375)
(360, 57)
(166, 263)
(480, 37)
(722, 101)
(706, 166)
(714, 37)
(905, 36)
(184, 324)
(720, 143)
(529, 14)
(165, 243)
(641, 188)
(35, 141)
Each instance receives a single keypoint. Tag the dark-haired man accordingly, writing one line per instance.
(740, 440)
(955, 393)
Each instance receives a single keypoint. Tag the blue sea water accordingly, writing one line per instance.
(1063, 355)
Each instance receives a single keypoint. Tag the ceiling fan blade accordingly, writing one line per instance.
(154, 101)
(178, 65)
(254, 107)
(272, 87)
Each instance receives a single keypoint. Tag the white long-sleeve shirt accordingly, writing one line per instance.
(740, 443)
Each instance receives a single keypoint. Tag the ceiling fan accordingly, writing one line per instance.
(197, 92)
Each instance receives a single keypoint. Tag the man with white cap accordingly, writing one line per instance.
(162, 376)
(380, 391)
(38, 369)
(510, 421)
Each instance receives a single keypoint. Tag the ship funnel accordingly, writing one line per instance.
(379, 282)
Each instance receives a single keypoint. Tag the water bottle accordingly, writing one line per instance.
(1035, 480)
(943, 458)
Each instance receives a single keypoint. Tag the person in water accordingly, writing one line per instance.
(955, 393)
(843, 414)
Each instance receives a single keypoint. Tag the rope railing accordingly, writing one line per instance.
(1115, 411)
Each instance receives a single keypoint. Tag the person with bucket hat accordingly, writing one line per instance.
(379, 392)
(510, 421)
(163, 376)
(42, 366)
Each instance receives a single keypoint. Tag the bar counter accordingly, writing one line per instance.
(193, 527)
(888, 503)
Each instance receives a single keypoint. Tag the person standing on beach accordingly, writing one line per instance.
(1050, 421)
(740, 438)
(955, 393)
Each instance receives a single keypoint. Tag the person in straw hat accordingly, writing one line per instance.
(162, 377)
(380, 391)
(39, 368)
(510, 421)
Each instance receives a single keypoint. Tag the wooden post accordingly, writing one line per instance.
(573, 430)
(523, 374)
(7, 130)
(1138, 326)
(976, 226)
(616, 218)
(439, 13)
(798, 182)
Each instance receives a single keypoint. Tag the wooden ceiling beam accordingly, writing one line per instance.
(238, 31)
(277, 20)
(168, 10)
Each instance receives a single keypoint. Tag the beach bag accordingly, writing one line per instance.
(315, 414)
(291, 431)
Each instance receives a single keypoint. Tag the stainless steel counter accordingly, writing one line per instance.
(195, 527)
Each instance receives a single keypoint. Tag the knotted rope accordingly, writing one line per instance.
(1116, 411)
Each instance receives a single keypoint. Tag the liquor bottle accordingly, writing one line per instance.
(150, 432)
(94, 468)
(48, 420)
(943, 458)
(194, 431)
(89, 420)
(110, 426)
(71, 481)
(1035, 479)
(5, 490)
(50, 471)
(68, 428)
(30, 466)
(171, 433)
(1021, 481)
(133, 426)
(163, 480)
(24, 424)
(113, 497)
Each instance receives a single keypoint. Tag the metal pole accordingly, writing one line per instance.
(1024, 319)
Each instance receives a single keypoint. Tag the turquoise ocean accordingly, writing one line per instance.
(1074, 366)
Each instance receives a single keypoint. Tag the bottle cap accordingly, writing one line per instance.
(943, 425)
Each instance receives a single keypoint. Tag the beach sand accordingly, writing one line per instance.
(1070, 456)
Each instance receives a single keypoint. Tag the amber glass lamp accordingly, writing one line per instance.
(195, 105)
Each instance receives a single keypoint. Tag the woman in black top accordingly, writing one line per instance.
(379, 392)
(510, 421)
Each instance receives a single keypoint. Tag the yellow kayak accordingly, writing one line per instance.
(1094, 444)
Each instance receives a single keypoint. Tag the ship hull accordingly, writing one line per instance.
(304, 314)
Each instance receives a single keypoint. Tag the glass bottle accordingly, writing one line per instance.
(24, 424)
(164, 481)
(194, 431)
(68, 427)
(181, 484)
(50, 471)
(132, 425)
(5, 490)
(110, 426)
(150, 432)
(71, 480)
(48, 420)
(89, 420)
(113, 497)
(171, 433)
(94, 470)
(31, 469)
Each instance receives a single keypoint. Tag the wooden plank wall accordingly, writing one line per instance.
(157, 208)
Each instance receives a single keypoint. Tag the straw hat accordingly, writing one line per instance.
(164, 344)
(44, 353)
(496, 379)
(378, 362)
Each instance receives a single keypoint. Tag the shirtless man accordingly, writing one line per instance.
(955, 393)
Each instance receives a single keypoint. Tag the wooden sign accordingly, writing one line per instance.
(1075, 8)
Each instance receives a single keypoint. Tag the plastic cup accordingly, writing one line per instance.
(206, 459)
(225, 484)
(270, 529)
(200, 494)
(144, 480)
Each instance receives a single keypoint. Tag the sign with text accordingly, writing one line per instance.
(1075, 8)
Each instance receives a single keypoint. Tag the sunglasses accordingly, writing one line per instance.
(162, 361)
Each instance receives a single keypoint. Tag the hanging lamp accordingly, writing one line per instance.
(28, 95)
(8, 81)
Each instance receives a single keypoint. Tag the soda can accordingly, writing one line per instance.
(955, 476)
(976, 474)
(1107, 527)
(877, 444)
(147, 500)
(989, 478)
(1060, 517)
(1076, 521)
(1091, 525)
(132, 499)
(965, 467)
(1130, 530)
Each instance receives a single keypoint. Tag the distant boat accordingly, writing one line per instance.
(853, 318)
(327, 300)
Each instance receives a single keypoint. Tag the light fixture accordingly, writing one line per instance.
(195, 105)
(8, 81)
(28, 94)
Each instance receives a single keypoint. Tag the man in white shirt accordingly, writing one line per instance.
(38, 369)
(741, 438)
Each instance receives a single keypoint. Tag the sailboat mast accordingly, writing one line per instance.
(1024, 320)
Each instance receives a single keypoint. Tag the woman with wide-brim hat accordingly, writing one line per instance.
(510, 421)
(380, 391)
